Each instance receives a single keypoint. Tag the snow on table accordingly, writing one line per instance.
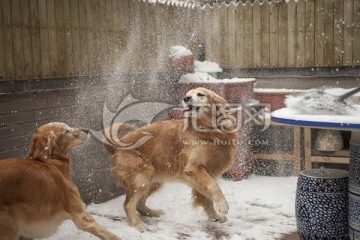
(293, 114)
(261, 208)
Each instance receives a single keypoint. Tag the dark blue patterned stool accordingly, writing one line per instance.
(322, 204)
(354, 192)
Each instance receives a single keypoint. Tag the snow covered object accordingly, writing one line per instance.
(181, 59)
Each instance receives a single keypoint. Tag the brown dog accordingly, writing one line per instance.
(37, 193)
(195, 150)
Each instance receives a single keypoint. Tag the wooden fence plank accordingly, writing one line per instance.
(329, 34)
(248, 39)
(216, 34)
(114, 36)
(143, 61)
(96, 40)
(348, 32)
(136, 63)
(103, 38)
(60, 36)
(240, 36)
(54, 62)
(125, 19)
(90, 10)
(319, 32)
(356, 36)
(151, 37)
(274, 35)
(18, 39)
(309, 33)
(44, 39)
(26, 30)
(283, 24)
(338, 31)
(2, 50)
(265, 34)
(120, 33)
(224, 37)
(69, 61)
(207, 16)
(232, 36)
(160, 38)
(300, 34)
(75, 29)
(26, 35)
(257, 35)
(8, 40)
(291, 34)
(35, 39)
(84, 43)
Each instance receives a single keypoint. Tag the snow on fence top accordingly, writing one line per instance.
(192, 4)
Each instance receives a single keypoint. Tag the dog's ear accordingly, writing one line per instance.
(217, 99)
(221, 105)
(41, 147)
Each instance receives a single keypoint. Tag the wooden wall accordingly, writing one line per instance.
(64, 38)
(307, 33)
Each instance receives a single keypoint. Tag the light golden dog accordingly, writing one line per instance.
(37, 193)
(181, 150)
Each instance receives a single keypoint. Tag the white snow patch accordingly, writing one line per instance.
(206, 67)
(320, 103)
(278, 90)
(261, 208)
(295, 114)
(179, 51)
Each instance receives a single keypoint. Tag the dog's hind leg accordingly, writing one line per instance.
(208, 205)
(8, 229)
(135, 193)
(141, 205)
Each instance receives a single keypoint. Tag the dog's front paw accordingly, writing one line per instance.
(222, 206)
(141, 227)
(219, 218)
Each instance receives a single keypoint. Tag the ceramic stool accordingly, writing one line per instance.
(322, 204)
(354, 192)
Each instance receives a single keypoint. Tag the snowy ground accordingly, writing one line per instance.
(261, 208)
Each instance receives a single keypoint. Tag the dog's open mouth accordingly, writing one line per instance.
(190, 108)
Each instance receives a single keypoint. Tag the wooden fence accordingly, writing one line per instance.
(297, 34)
(65, 38)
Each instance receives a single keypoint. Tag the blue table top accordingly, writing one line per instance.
(341, 122)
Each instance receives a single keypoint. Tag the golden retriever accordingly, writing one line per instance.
(37, 193)
(194, 150)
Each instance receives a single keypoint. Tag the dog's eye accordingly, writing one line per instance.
(67, 131)
(201, 95)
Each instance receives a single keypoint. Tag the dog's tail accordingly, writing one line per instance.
(113, 133)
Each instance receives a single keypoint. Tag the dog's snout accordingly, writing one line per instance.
(187, 99)
(85, 130)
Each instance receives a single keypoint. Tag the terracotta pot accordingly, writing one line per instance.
(184, 64)
(275, 99)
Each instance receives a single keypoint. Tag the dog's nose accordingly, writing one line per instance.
(187, 99)
(85, 130)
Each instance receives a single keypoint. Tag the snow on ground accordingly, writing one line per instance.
(261, 208)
